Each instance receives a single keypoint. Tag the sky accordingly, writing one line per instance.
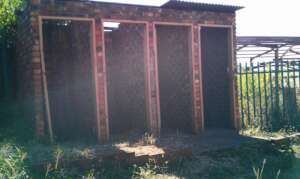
(258, 18)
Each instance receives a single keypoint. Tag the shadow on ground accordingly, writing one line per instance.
(214, 154)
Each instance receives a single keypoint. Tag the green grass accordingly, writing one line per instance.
(257, 132)
(12, 162)
(231, 163)
(18, 147)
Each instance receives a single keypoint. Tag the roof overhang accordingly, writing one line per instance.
(199, 6)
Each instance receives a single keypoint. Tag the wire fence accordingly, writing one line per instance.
(269, 95)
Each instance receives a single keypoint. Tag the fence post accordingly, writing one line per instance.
(266, 96)
(276, 86)
(271, 93)
(259, 94)
(282, 90)
(241, 95)
(253, 95)
(247, 97)
(263, 108)
(294, 77)
(289, 91)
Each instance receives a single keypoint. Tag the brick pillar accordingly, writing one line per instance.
(37, 76)
(235, 95)
(102, 111)
(153, 107)
(197, 80)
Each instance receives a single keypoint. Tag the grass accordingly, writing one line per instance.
(12, 162)
(231, 163)
(253, 160)
(256, 132)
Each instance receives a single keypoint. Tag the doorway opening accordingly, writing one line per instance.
(125, 51)
(67, 49)
(175, 77)
(215, 44)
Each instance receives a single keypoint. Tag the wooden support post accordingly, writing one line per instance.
(45, 84)
(197, 80)
(154, 103)
(101, 89)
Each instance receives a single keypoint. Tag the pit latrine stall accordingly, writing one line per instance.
(97, 69)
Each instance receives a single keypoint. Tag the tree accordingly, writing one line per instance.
(8, 9)
(8, 19)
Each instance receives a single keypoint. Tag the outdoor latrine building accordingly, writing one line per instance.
(95, 69)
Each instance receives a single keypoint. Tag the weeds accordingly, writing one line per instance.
(259, 171)
(12, 162)
(152, 170)
(149, 139)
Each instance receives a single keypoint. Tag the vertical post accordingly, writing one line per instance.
(253, 95)
(101, 89)
(271, 88)
(155, 123)
(259, 94)
(276, 82)
(197, 79)
(282, 90)
(241, 94)
(288, 91)
(276, 71)
(247, 97)
(266, 96)
(294, 78)
(45, 83)
(294, 100)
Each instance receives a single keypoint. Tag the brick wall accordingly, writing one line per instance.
(99, 11)
(28, 71)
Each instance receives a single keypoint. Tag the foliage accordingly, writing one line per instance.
(225, 164)
(149, 139)
(259, 171)
(12, 162)
(8, 9)
(151, 170)
(8, 19)
(266, 104)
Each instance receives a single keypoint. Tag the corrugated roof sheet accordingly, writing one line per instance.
(261, 40)
(199, 6)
